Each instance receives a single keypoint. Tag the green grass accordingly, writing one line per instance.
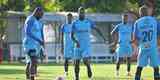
(51, 71)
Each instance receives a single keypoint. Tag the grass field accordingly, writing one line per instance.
(51, 71)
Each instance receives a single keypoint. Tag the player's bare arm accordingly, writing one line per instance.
(75, 40)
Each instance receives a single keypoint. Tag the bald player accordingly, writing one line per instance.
(33, 42)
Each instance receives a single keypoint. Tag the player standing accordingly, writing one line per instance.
(82, 31)
(123, 41)
(67, 42)
(145, 36)
(33, 41)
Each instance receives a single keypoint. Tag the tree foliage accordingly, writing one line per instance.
(68, 5)
(113, 6)
(3, 24)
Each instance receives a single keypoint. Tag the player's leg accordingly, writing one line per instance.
(118, 63)
(66, 64)
(36, 70)
(77, 68)
(86, 54)
(120, 55)
(68, 54)
(27, 71)
(33, 64)
(156, 73)
(129, 55)
(155, 63)
(33, 67)
(87, 64)
(41, 55)
(138, 73)
(128, 66)
(142, 62)
(77, 59)
(28, 64)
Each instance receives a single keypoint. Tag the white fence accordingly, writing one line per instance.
(100, 52)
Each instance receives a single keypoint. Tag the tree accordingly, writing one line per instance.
(3, 8)
(3, 5)
(2, 28)
(113, 6)
(70, 5)
(47, 5)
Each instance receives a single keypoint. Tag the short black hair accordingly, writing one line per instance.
(69, 14)
(81, 8)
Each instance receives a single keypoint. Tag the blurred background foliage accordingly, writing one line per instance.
(102, 6)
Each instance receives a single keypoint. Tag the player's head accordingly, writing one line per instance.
(69, 18)
(38, 12)
(81, 12)
(145, 11)
(125, 18)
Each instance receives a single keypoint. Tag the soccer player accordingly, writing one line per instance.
(33, 41)
(145, 36)
(82, 31)
(67, 42)
(123, 41)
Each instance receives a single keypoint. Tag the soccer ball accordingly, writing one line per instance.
(60, 78)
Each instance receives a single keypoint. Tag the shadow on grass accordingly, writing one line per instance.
(18, 71)
(11, 71)
(107, 78)
(41, 64)
(23, 64)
